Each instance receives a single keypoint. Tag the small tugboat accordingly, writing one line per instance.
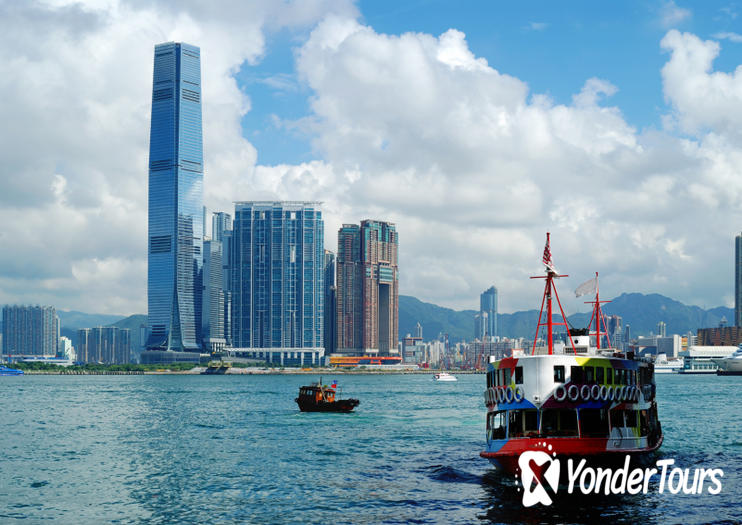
(5, 371)
(576, 401)
(444, 376)
(321, 398)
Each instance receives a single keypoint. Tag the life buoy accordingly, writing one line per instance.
(500, 395)
(487, 397)
(574, 392)
(560, 393)
(585, 392)
(637, 394)
(595, 392)
(623, 396)
(603, 393)
(518, 394)
(509, 394)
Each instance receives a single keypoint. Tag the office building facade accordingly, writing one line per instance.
(212, 312)
(176, 226)
(30, 330)
(278, 275)
(368, 288)
(738, 280)
(330, 331)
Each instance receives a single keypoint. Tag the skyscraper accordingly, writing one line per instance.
(212, 317)
(175, 200)
(738, 280)
(488, 304)
(368, 288)
(30, 330)
(330, 320)
(221, 230)
(104, 344)
(278, 275)
(349, 290)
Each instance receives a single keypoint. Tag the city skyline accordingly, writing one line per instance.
(630, 165)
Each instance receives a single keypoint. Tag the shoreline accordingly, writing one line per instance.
(240, 371)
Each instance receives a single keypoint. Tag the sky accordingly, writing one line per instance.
(474, 126)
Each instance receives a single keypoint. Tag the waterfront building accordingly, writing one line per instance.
(720, 336)
(65, 348)
(368, 288)
(330, 318)
(662, 329)
(212, 311)
(738, 280)
(104, 344)
(615, 333)
(488, 305)
(30, 330)
(221, 230)
(176, 226)
(278, 277)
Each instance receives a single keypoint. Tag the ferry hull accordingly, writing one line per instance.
(595, 450)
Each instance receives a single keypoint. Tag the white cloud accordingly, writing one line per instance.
(732, 37)
(537, 26)
(671, 14)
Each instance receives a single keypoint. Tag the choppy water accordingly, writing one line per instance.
(235, 449)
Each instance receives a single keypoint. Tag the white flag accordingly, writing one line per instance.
(588, 287)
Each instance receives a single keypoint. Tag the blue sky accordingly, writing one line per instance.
(613, 125)
(552, 46)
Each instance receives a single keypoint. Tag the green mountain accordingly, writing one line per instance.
(641, 311)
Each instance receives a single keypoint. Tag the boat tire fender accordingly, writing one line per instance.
(604, 393)
(585, 392)
(595, 392)
(560, 393)
(622, 394)
(509, 394)
(574, 392)
(518, 395)
(499, 396)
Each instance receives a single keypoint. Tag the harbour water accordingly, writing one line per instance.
(235, 449)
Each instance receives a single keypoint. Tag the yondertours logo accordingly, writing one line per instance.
(540, 473)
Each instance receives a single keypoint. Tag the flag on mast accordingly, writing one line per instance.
(588, 287)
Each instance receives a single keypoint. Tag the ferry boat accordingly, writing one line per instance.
(586, 401)
(5, 371)
(444, 376)
(321, 398)
(663, 365)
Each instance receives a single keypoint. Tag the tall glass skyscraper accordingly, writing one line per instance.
(488, 304)
(278, 275)
(175, 200)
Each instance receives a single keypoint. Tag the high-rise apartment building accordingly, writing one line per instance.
(176, 227)
(738, 280)
(488, 305)
(103, 344)
(278, 275)
(368, 288)
(30, 330)
(221, 230)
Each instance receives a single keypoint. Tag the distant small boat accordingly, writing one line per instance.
(321, 398)
(5, 371)
(730, 365)
(444, 376)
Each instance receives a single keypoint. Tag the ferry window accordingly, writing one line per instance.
(619, 377)
(617, 418)
(530, 423)
(635, 376)
(643, 423)
(558, 422)
(496, 425)
(609, 376)
(518, 375)
(630, 416)
(559, 374)
(507, 376)
(589, 374)
(515, 423)
(576, 372)
(594, 422)
(599, 375)
(489, 380)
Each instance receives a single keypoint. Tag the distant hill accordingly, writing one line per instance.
(72, 321)
(641, 311)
